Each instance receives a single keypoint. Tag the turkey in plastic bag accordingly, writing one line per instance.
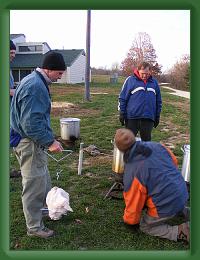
(57, 201)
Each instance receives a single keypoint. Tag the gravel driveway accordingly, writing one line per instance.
(177, 92)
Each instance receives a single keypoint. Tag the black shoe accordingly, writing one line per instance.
(15, 174)
(43, 233)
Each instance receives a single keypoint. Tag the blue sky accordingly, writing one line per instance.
(112, 32)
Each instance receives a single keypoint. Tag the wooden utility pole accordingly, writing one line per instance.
(87, 69)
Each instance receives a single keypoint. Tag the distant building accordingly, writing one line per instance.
(29, 55)
(18, 38)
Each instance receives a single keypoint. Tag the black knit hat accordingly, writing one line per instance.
(53, 61)
(12, 45)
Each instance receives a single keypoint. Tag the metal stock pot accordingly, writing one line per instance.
(186, 163)
(70, 128)
(118, 161)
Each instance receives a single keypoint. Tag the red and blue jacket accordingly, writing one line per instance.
(140, 99)
(152, 179)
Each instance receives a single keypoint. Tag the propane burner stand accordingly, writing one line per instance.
(116, 188)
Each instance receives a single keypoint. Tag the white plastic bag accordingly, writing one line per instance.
(57, 201)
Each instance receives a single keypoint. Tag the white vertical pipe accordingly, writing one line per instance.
(80, 162)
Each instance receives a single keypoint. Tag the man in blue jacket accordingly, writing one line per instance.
(12, 56)
(30, 122)
(140, 102)
(152, 185)
(13, 173)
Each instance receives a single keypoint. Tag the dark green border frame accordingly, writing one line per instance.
(5, 7)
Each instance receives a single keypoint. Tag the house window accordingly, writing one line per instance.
(23, 48)
(38, 47)
(18, 75)
(15, 75)
(24, 73)
(31, 48)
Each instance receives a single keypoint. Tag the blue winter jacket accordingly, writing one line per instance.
(30, 110)
(139, 100)
(152, 179)
(11, 83)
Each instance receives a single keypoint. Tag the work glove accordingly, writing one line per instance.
(122, 119)
(156, 122)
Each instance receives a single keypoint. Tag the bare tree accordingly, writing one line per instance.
(180, 73)
(141, 50)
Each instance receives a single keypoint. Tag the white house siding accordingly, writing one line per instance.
(77, 70)
(74, 74)
(68, 75)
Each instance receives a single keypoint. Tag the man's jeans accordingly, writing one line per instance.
(36, 181)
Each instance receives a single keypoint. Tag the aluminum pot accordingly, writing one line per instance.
(186, 163)
(118, 161)
(70, 128)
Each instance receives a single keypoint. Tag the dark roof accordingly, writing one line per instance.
(13, 36)
(35, 60)
(71, 55)
(27, 61)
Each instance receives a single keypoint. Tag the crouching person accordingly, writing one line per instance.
(154, 189)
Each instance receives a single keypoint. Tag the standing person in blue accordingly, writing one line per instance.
(140, 102)
(13, 173)
(30, 120)
(154, 189)
(12, 56)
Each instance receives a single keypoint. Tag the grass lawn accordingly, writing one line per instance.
(96, 223)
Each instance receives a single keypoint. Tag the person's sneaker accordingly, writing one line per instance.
(15, 174)
(43, 233)
(184, 232)
(45, 212)
(185, 214)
